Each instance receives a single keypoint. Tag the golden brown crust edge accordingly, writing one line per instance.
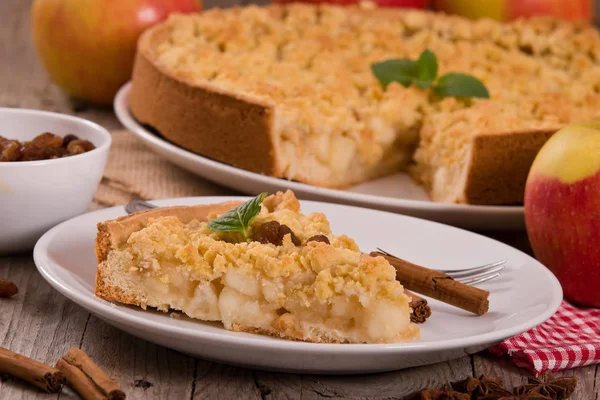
(225, 127)
(108, 292)
(499, 166)
(113, 233)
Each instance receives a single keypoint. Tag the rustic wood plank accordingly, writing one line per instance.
(219, 381)
(586, 386)
(389, 385)
(38, 322)
(488, 364)
(597, 382)
(142, 369)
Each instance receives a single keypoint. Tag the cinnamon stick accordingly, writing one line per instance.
(439, 286)
(41, 375)
(420, 309)
(87, 378)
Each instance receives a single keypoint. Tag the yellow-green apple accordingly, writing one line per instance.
(505, 10)
(473, 9)
(562, 210)
(88, 46)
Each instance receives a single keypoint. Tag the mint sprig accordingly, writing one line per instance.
(238, 219)
(423, 72)
(427, 69)
(396, 70)
(460, 85)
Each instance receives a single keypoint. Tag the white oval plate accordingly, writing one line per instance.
(396, 193)
(524, 296)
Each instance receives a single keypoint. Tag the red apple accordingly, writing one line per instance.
(505, 10)
(382, 3)
(575, 10)
(88, 46)
(562, 210)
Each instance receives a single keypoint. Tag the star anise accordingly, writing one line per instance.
(445, 393)
(477, 387)
(503, 394)
(554, 388)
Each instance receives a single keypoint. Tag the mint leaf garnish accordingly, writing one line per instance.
(238, 219)
(423, 73)
(427, 69)
(460, 85)
(401, 70)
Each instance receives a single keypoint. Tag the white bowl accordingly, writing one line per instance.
(37, 195)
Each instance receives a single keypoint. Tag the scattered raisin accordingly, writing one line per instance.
(319, 238)
(48, 140)
(273, 232)
(267, 233)
(284, 230)
(79, 146)
(7, 289)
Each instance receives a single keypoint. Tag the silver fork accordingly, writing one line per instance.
(137, 205)
(471, 276)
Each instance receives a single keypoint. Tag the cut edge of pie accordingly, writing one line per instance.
(327, 293)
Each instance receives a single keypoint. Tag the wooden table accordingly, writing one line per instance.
(41, 323)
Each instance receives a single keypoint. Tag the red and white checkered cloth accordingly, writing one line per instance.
(570, 338)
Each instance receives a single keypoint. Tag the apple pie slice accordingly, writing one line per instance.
(277, 272)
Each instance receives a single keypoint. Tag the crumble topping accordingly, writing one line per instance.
(313, 64)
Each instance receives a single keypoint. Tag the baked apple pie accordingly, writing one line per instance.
(282, 274)
(288, 91)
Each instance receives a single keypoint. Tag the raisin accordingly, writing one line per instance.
(43, 147)
(284, 230)
(31, 152)
(10, 150)
(268, 233)
(68, 139)
(79, 146)
(47, 140)
(273, 232)
(318, 238)
(56, 152)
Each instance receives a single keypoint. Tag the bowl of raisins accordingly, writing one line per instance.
(50, 167)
